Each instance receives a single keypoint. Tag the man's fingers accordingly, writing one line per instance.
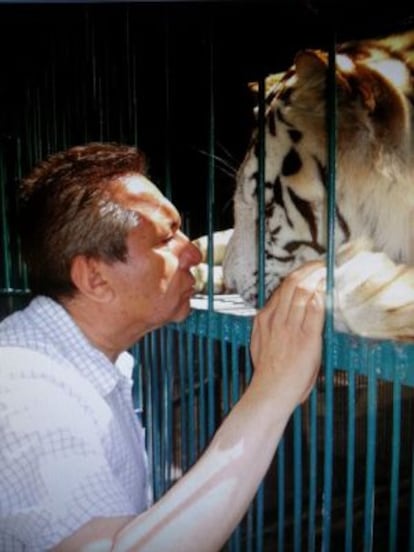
(298, 308)
(296, 288)
(315, 314)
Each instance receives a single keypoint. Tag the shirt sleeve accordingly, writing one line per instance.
(54, 470)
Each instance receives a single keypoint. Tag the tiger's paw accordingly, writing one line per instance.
(201, 272)
(374, 296)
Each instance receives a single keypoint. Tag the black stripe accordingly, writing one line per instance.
(278, 198)
(341, 219)
(292, 163)
(305, 209)
(295, 135)
(293, 245)
(271, 123)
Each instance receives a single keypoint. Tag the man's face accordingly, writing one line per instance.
(154, 285)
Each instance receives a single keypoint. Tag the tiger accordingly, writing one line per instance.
(373, 291)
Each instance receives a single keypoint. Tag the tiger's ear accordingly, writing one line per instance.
(312, 67)
(270, 82)
(311, 64)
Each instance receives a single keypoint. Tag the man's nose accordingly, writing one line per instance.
(191, 255)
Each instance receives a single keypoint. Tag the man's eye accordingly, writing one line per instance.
(166, 242)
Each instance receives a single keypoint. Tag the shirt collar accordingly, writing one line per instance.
(69, 340)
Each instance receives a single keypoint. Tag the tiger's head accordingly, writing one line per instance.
(374, 162)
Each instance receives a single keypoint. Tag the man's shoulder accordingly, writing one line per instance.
(28, 377)
(24, 324)
(32, 328)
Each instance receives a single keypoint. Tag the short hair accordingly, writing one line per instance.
(67, 209)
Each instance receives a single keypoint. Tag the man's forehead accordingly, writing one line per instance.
(135, 186)
(138, 193)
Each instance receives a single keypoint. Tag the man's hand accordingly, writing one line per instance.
(286, 339)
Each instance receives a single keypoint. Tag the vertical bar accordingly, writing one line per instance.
(313, 448)
(191, 400)
(411, 523)
(163, 398)
(155, 398)
(281, 478)
(167, 75)
(170, 360)
(370, 461)
(149, 409)
(329, 325)
(202, 393)
(7, 264)
(234, 398)
(211, 173)
(261, 262)
(21, 265)
(165, 375)
(183, 394)
(259, 518)
(224, 377)
(211, 226)
(250, 512)
(350, 457)
(297, 478)
(395, 462)
(261, 193)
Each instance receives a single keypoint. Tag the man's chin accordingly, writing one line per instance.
(183, 313)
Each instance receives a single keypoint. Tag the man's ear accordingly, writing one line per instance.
(88, 276)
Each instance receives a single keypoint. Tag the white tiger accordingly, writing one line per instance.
(374, 226)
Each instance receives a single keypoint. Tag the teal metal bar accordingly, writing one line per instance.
(149, 410)
(7, 262)
(164, 375)
(370, 460)
(183, 399)
(21, 265)
(169, 375)
(249, 533)
(202, 393)
(261, 260)
(411, 524)
(313, 468)
(281, 494)
(297, 479)
(395, 463)
(156, 417)
(234, 374)
(329, 325)
(350, 455)
(167, 124)
(191, 400)
(137, 378)
(235, 395)
(261, 194)
(224, 377)
(259, 501)
(211, 172)
(211, 227)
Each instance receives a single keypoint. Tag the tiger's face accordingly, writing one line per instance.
(374, 163)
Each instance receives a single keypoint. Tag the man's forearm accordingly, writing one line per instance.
(203, 508)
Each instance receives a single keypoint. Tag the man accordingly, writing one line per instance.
(108, 263)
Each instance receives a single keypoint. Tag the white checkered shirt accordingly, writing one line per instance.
(71, 446)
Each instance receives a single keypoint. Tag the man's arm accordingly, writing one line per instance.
(202, 509)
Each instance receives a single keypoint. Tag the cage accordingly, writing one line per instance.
(171, 77)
